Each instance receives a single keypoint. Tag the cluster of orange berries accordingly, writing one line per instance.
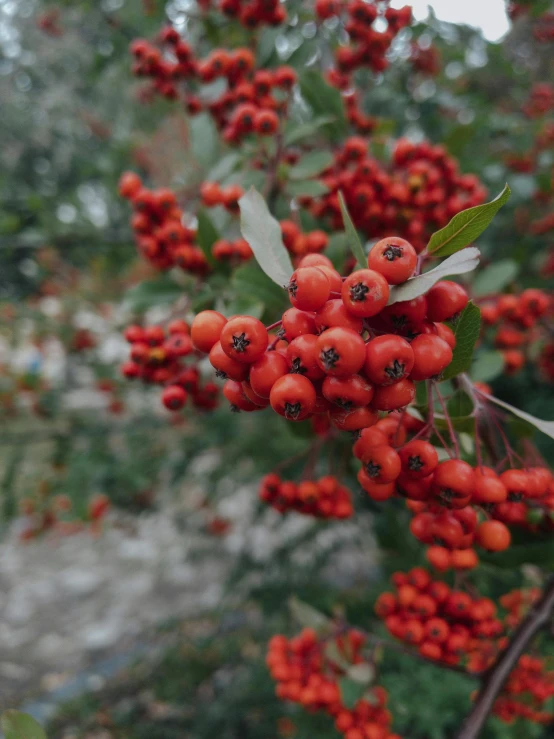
(445, 625)
(518, 318)
(247, 105)
(253, 13)
(367, 46)
(540, 101)
(307, 671)
(425, 60)
(299, 244)
(417, 194)
(156, 357)
(157, 223)
(527, 693)
(543, 26)
(233, 252)
(323, 498)
(213, 194)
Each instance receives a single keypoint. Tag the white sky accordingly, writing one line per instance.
(489, 15)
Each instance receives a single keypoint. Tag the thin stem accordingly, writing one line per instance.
(448, 422)
(273, 325)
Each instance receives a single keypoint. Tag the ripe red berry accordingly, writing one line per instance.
(365, 293)
(349, 392)
(453, 479)
(293, 396)
(445, 300)
(297, 322)
(419, 458)
(174, 397)
(340, 351)
(225, 366)
(432, 355)
(334, 313)
(244, 339)
(493, 536)
(206, 329)
(265, 372)
(376, 491)
(389, 358)
(309, 288)
(302, 357)
(391, 397)
(382, 464)
(394, 258)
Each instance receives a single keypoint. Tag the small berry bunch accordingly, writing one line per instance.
(527, 693)
(299, 244)
(540, 100)
(213, 194)
(251, 101)
(157, 223)
(231, 252)
(307, 671)
(157, 357)
(521, 320)
(445, 625)
(323, 498)
(254, 13)
(418, 193)
(425, 59)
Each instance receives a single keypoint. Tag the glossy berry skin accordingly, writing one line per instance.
(445, 300)
(446, 333)
(225, 366)
(302, 357)
(297, 322)
(293, 396)
(235, 395)
(340, 351)
(309, 288)
(382, 464)
(349, 392)
(376, 491)
(389, 358)
(206, 329)
(419, 459)
(493, 536)
(352, 419)
(399, 317)
(265, 372)
(333, 314)
(365, 293)
(392, 397)
(369, 438)
(454, 481)
(244, 339)
(394, 258)
(174, 397)
(489, 490)
(432, 355)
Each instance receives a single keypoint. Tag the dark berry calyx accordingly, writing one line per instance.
(297, 368)
(293, 410)
(240, 343)
(392, 252)
(221, 374)
(415, 463)
(396, 370)
(372, 469)
(329, 358)
(358, 292)
(346, 405)
(292, 287)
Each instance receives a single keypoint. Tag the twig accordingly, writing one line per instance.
(538, 617)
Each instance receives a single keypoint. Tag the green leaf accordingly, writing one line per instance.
(537, 553)
(204, 140)
(207, 234)
(252, 286)
(307, 616)
(487, 366)
(323, 100)
(224, 167)
(17, 725)
(466, 331)
(460, 405)
(350, 692)
(310, 165)
(309, 188)
(494, 278)
(161, 291)
(300, 131)
(353, 239)
(457, 264)
(466, 226)
(263, 233)
(547, 427)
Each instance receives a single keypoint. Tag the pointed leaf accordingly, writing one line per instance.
(17, 725)
(457, 264)
(487, 366)
(323, 100)
(466, 331)
(352, 235)
(250, 284)
(206, 235)
(160, 291)
(466, 226)
(493, 279)
(460, 405)
(263, 233)
(309, 188)
(224, 167)
(310, 165)
(307, 616)
(547, 427)
(303, 130)
(351, 691)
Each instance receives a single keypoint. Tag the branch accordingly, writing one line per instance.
(538, 617)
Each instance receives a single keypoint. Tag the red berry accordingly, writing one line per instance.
(293, 396)
(391, 397)
(244, 339)
(265, 372)
(340, 351)
(382, 464)
(206, 329)
(365, 293)
(394, 258)
(419, 458)
(445, 300)
(309, 288)
(432, 355)
(493, 536)
(174, 397)
(349, 392)
(389, 359)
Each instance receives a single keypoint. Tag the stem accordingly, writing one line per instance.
(448, 422)
(538, 617)
(273, 325)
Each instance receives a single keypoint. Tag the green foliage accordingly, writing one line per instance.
(311, 164)
(324, 101)
(352, 235)
(17, 725)
(494, 278)
(161, 291)
(466, 331)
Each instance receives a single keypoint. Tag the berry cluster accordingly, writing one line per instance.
(157, 357)
(323, 498)
(540, 101)
(233, 252)
(445, 625)
(213, 194)
(254, 13)
(299, 244)
(425, 59)
(320, 362)
(367, 46)
(158, 226)
(251, 101)
(307, 671)
(519, 319)
(417, 194)
(527, 693)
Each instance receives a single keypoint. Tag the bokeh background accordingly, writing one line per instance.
(151, 620)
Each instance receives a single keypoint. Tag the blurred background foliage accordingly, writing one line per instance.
(71, 121)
